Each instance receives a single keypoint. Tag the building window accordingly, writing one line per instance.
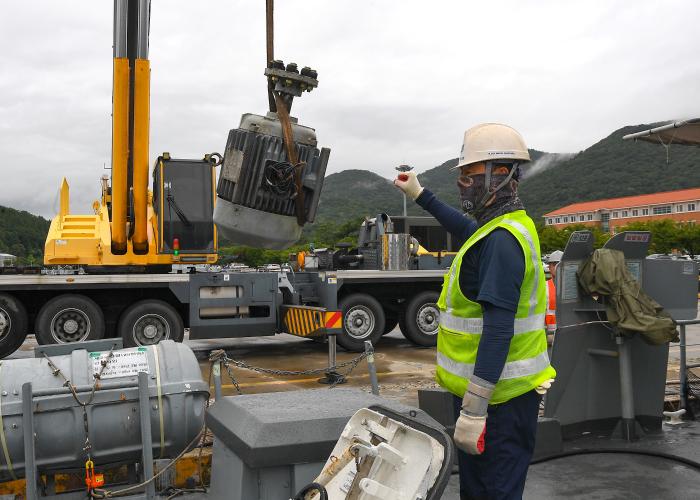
(566, 219)
(549, 221)
(557, 220)
(691, 207)
(625, 213)
(662, 210)
(590, 216)
(679, 208)
(645, 211)
(635, 212)
(616, 215)
(580, 218)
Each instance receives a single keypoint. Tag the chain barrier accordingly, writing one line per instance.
(220, 356)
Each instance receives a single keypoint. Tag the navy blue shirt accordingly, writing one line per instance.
(491, 274)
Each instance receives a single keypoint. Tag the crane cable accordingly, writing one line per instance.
(278, 105)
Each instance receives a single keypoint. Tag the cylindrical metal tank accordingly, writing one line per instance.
(113, 414)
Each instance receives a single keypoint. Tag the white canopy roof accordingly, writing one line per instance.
(686, 132)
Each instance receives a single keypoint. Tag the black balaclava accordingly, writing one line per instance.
(503, 188)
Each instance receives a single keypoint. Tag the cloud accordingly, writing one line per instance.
(399, 80)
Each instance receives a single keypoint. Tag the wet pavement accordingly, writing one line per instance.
(402, 368)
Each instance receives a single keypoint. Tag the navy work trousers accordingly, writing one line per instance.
(499, 473)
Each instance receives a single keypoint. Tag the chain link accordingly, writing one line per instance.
(220, 355)
(56, 371)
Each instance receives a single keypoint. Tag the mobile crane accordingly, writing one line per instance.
(269, 186)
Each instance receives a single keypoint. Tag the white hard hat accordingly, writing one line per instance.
(555, 257)
(492, 141)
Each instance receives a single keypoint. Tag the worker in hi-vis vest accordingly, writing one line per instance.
(550, 318)
(492, 347)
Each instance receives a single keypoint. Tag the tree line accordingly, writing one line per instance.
(667, 236)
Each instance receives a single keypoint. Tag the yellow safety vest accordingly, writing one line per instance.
(461, 321)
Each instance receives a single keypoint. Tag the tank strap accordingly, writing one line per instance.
(3, 440)
(160, 401)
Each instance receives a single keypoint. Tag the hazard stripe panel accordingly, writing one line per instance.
(334, 319)
(304, 321)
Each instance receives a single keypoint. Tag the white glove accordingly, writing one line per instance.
(544, 387)
(470, 430)
(408, 183)
(470, 434)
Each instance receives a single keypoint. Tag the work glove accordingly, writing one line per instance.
(470, 430)
(408, 183)
(544, 387)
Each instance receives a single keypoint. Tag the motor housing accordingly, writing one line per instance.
(257, 193)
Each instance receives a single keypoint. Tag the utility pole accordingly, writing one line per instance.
(404, 168)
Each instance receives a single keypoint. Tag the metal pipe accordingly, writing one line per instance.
(371, 367)
(144, 26)
(332, 350)
(146, 437)
(626, 389)
(120, 23)
(683, 375)
(30, 472)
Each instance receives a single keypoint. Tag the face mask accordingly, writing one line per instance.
(471, 191)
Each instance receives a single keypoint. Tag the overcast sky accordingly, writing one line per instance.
(400, 81)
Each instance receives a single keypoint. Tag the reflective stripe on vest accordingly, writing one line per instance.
(476, 325)
(461, 321)
(550, 319)
(512, 369)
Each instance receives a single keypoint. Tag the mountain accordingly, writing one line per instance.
(352, 194)
(608, 169)
(612, 168)
(356, 193)
(22, 234)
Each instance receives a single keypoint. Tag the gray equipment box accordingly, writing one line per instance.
(269, 446)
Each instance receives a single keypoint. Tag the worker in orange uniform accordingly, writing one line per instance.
(550, 318)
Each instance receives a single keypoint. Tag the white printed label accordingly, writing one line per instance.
(227, 277)
(332, 281)
(347, 484)
(123, 363)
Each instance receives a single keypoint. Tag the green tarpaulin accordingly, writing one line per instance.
(628, 307)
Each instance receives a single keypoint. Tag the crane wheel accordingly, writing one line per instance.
(69, 318)
(420, 319)
(147, 322)
(13, 324)
(363, 319)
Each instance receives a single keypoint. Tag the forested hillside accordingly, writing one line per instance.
(613, 168)
(22, 234)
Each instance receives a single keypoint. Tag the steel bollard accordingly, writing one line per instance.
(332, 377)
(371, 367)
(683, 375)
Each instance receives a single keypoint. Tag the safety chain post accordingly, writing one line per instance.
(332, 377)
(216, 372)
(369, 351)
(682, 372)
